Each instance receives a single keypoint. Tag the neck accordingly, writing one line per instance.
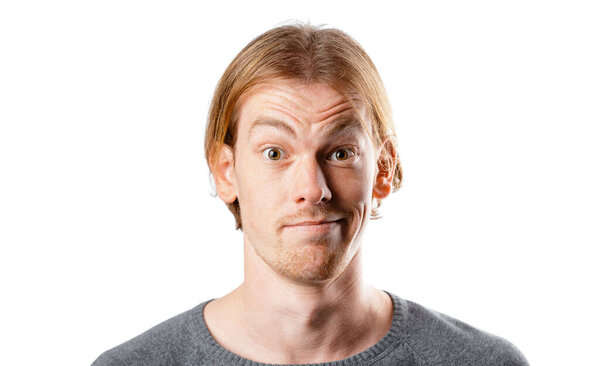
(288, 322)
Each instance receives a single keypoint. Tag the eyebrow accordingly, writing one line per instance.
(267, 121)
(344, 125)
(338, 127)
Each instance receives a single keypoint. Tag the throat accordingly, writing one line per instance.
(328, 331)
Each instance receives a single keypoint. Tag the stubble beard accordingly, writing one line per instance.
(311, 262)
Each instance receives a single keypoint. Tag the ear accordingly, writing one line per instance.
(386, 167)
(223, 173)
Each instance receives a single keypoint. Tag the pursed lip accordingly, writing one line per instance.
(313, 222)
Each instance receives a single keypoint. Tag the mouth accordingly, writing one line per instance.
(314, 227)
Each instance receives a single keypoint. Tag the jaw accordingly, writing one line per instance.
(308, 264)
(302, 258)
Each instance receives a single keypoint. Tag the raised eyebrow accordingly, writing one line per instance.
(266, 121)
(339, 127)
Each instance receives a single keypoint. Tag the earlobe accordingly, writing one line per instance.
(386, 165)
(223, 172)
(382, 187)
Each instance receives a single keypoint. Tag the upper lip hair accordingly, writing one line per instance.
(313, 222)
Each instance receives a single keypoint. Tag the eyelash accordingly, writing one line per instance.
(351, 153)
(266, 155)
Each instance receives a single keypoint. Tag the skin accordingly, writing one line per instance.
(305, 197)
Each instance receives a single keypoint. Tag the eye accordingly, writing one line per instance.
(273, 153)
(342, 154)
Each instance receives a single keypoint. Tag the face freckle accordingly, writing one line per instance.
(303, 203)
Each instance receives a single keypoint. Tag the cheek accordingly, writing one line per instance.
(354, 190)
(354, 193)
(257, 194)
(352, 186)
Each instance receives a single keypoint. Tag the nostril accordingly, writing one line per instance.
(310, 184)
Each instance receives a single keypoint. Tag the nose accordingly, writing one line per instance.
(310, 183)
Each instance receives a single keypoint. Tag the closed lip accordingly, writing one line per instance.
(314, 222)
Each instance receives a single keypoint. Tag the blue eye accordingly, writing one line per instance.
(342, 154)
(273, 153)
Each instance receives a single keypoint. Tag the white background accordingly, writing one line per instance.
(107, 225)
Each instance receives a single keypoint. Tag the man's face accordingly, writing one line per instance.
(303, 174)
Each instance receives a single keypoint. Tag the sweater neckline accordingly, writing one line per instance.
(393, 337)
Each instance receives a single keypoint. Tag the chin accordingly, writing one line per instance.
(311, 264)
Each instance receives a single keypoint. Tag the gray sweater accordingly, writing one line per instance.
(418, 336)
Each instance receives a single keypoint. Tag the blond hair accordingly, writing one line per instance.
(306, 54)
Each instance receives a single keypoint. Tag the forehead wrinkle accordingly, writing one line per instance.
(296, 106)
(281, 108)
(331, 112)
(301, 101)
(278, 103)
(279, 97)
(264, 121)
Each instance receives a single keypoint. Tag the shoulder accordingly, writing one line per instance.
(439, 339)
(171, 342)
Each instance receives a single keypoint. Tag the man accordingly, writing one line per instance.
(302, 149)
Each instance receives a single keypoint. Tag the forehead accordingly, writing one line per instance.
(301, 104)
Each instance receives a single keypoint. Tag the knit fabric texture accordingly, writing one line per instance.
(418, 336)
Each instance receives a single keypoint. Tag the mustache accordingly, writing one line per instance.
(312, 213)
